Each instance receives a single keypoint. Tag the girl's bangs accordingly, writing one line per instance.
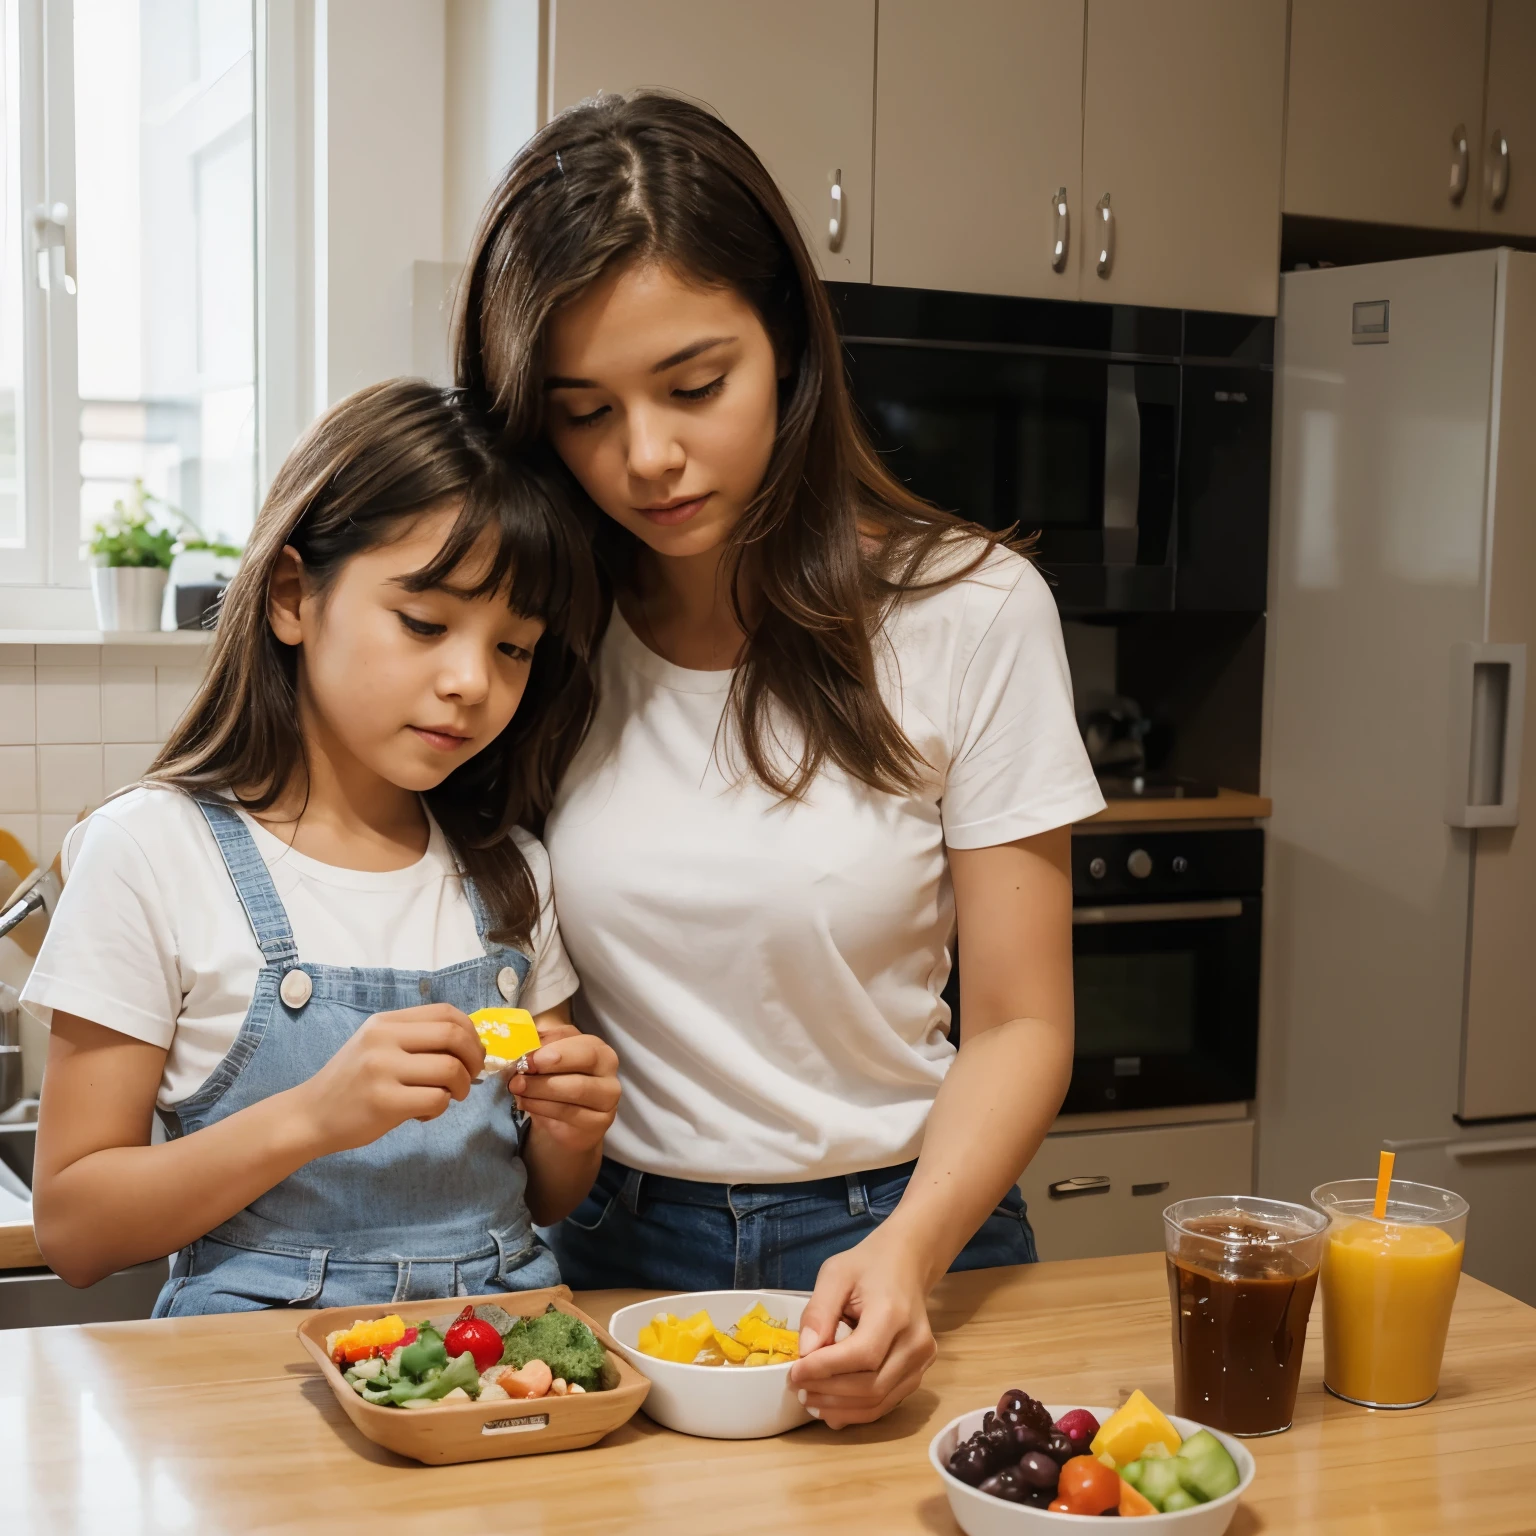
(507, 540)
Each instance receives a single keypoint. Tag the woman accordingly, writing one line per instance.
(833, 723)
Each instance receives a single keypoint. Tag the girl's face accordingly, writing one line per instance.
(407, 685)
(663, 400)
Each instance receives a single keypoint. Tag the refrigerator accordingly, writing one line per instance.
(1399, 975)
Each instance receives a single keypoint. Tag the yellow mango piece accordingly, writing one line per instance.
(711, 1354)
(780, 1359)
(759, 1311)
(758, 1357)
(505, 1032)
(734, 1352)
(1133, 1427)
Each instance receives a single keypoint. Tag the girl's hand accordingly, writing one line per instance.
(879, 1286)
(406, 1065)
(571, 1088)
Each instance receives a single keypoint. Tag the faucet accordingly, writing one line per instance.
(38, 893)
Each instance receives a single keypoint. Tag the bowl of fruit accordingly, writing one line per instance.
(718, 1361)
(1027, 1465)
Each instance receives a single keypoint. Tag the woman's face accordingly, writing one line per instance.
(663, 400)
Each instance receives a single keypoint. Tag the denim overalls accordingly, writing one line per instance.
(430, 1209)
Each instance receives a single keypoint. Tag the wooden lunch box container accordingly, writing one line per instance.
(480, 1431)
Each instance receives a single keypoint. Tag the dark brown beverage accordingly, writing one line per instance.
(1239, 1326)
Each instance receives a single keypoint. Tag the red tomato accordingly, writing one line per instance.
(479, 1338)
(1087, 1487)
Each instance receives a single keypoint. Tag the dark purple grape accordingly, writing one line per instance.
(1059, 1447)
(1039, 1474)
(1018, 1407)
(970, 1463)
(1007, 1485)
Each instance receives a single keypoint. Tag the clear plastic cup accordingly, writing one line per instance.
(1388, 1289)
(1242, 1271)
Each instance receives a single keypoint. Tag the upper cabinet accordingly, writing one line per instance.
(1509, 119)
(796, 79)
(978, 146)
(1183, 123)
(1385, 116)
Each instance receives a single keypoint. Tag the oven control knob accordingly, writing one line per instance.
(1181, 865)
(1098, 868)
(1139, 865)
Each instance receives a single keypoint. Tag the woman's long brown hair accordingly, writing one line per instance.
(379, 458)
(652, 177)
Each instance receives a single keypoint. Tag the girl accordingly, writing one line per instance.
(833, 725)
(276, 940)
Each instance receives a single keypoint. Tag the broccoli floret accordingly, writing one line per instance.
(564, 1343)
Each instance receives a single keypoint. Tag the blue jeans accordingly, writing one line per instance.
(640, 1230)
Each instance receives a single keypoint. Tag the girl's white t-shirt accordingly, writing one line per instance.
(770, 973)
(150, 939)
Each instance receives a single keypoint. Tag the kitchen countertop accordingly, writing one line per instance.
(223, 1424)
(1225, 805)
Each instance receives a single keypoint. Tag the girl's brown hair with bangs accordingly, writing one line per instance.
(832, 537)
(379, 458)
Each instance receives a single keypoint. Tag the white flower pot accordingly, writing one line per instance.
(128, 596)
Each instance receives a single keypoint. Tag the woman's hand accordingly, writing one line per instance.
(880, 1287)
(406, 1065)
(571, 1088)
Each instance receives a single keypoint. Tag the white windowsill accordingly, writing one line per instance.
(172, 638)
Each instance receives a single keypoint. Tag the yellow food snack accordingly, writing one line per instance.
(364, 1340)
(1126, 1433)
(506, 1033)
(758, 1340)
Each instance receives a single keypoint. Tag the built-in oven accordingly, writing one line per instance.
(1166, 936)
(1134, 442)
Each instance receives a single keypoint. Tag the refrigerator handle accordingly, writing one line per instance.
(1487, 724)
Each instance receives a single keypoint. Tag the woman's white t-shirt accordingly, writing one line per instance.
(770, 973)
(150, 939)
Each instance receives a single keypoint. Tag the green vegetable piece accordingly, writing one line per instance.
(460, 1372)
(1132, 1473)
(564, 1343)
(418, 1358)
(1205, 1469)
(1159, 1479)
(1179, 1499)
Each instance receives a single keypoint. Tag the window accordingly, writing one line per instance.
(128, 311)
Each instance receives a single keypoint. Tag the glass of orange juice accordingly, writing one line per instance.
(1388, 1288)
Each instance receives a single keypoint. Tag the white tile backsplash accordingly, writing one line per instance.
(18, 704)
(126, 763)
(70, 778)
(129, 708)
(18, 780)
(50, 835)
(68, 705)
(174, 687)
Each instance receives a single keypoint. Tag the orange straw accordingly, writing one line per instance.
(1383, 1184)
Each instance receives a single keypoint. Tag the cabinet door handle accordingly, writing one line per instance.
(1460, 161)
(1083, 1184)
(1106, 236)
(1059, 245)
(1498, 171)
(836, 222)
(1487, 729)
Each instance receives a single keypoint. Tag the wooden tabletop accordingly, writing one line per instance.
(222, 1424)
(1224, 805)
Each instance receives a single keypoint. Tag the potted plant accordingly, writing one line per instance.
(134, 553)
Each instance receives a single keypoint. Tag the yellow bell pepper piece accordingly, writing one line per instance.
(1133, 1427)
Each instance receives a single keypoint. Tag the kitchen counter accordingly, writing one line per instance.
(1225, 805)
(223, 1424)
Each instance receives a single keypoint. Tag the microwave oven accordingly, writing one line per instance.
(1134, 442)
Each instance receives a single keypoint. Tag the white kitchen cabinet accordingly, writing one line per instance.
(796, 79)
(1183, 119)
(1096, 1193)
(978, 128)
(1382, 96)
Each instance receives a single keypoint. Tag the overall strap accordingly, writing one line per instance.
(253, 883)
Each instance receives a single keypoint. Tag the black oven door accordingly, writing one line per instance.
(1081, 450)
(1167, 1003)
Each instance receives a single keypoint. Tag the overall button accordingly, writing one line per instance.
(296, 988)
(507, 983)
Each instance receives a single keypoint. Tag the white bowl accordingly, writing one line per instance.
(979, 1514)
(719, 1402)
